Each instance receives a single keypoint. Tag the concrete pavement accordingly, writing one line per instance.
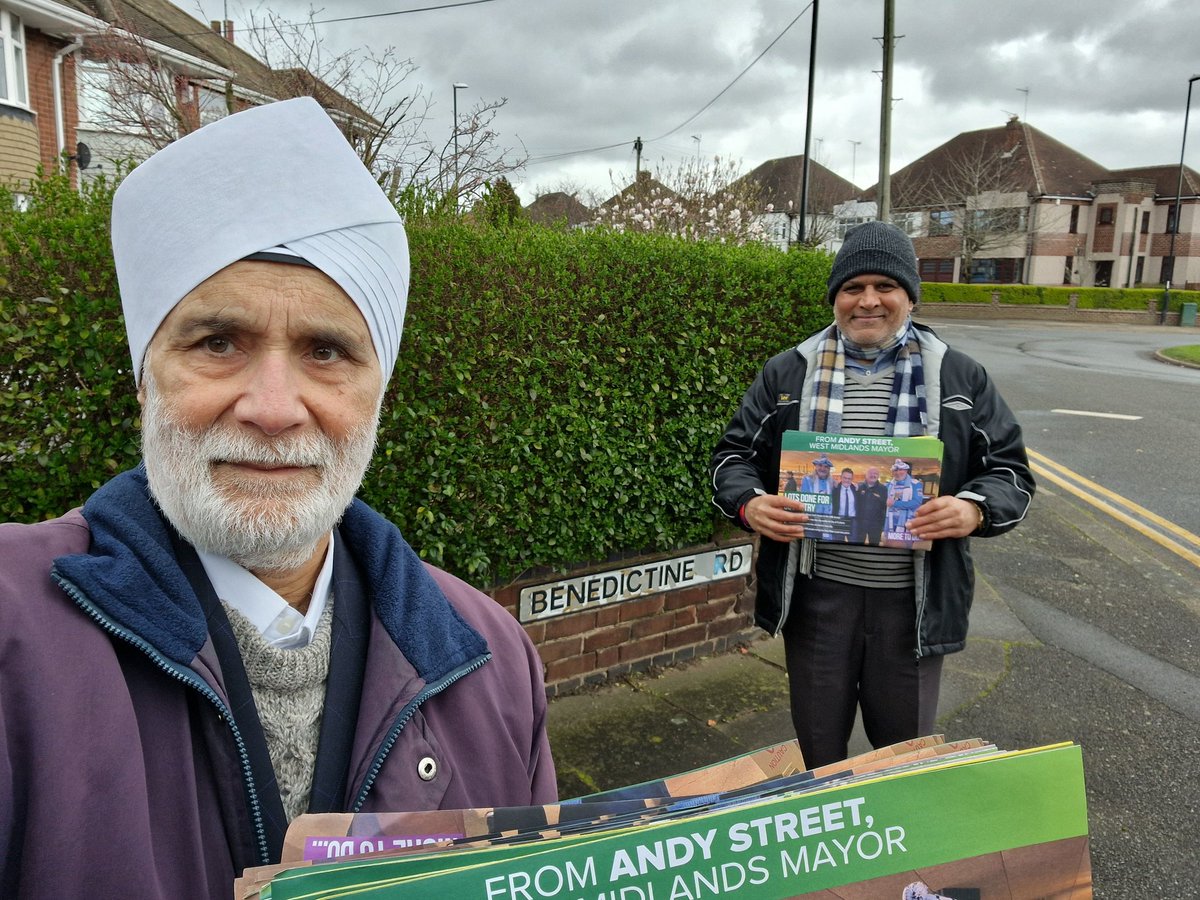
(671, 720)
(1082, 630)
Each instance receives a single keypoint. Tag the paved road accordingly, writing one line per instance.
(1116, 668)
(1084, 629)
(1142, 438)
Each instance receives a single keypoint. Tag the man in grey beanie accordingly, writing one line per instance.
(224, 638)
(864, 626)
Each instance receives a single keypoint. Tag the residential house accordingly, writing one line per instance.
(558, 208)
(1138, 236)
(778, 183)
(39, 41)
(1013, 205)
(109, 80)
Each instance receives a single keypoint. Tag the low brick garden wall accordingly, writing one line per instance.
(597, 623)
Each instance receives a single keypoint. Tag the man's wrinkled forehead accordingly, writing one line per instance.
(252, 296)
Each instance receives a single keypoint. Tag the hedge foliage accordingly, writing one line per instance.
(556, 398)
(68, 414)
(1042, 295)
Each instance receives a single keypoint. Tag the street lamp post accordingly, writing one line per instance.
(458, 86)
(1178, 200)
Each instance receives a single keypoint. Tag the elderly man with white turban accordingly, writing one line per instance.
(224, 638)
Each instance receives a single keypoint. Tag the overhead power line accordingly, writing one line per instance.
(567, 153)
(753, 62)
(400, 12)
(394, 12)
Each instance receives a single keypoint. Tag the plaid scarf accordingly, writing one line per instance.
(907, 414)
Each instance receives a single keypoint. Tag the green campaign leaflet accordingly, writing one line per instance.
(860, 489)
(956, 823)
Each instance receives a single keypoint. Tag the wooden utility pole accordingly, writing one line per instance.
(884, 193)
(812, 69)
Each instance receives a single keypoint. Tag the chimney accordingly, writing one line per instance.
(229, 30)
(214, 25)
(1013, 132)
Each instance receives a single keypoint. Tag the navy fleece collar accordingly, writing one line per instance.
(131, 575)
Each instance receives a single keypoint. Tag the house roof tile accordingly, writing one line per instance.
(1036, 163)
(780, 180)
(558, 207)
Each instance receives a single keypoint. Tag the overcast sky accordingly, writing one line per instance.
(1107, 77)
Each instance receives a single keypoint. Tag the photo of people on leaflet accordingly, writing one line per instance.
(859, 498)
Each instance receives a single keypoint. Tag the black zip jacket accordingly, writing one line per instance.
(984, 460)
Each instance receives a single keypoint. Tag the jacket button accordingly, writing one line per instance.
(427, 768)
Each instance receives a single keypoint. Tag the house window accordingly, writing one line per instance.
(909, 223)
(996, 271)
(1106, 215)
(1069, 269)
(1145, 223)
(936, 269)
(1074, 220)
(941, 221)
(1170, 219)
(13, 80)
(1104, 273)
(845, 225)
(1004, 220)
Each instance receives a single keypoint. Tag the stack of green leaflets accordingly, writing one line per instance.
(960, 818)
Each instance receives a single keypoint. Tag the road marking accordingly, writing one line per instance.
(1095, 415)
(1136, 518)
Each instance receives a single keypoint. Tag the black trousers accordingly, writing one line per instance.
(848, 646)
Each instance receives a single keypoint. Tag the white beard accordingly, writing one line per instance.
(261, 524)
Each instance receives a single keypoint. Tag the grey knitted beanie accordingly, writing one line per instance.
(876, 248)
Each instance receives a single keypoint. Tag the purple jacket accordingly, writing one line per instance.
(123, 771)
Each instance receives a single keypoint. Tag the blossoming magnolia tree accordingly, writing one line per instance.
(697, 200)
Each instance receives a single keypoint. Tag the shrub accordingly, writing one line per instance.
(556, 398)
(68, 415)
(1038, 295)
(558, 395)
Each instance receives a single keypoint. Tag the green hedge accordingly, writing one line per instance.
(556, 398)
(68, 415)
(1037, 295)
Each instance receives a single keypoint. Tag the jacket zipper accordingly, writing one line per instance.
(191, 679)
(403, 718)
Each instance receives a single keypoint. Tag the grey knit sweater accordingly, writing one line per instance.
(289, 693)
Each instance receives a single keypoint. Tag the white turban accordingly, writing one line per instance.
(280, 176)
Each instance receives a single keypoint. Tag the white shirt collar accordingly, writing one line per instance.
(280, 623)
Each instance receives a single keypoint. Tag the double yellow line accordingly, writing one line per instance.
(1183, 542)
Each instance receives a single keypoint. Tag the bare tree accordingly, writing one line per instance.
(144, 101)
(976, 193)
(136, 93)
(696, 199)
(385, 115)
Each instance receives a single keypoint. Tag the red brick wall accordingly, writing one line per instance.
(40, 49)
(596, 645)
(1052, 244)
(1160, 245)
(1104, 239)
(940, 247)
